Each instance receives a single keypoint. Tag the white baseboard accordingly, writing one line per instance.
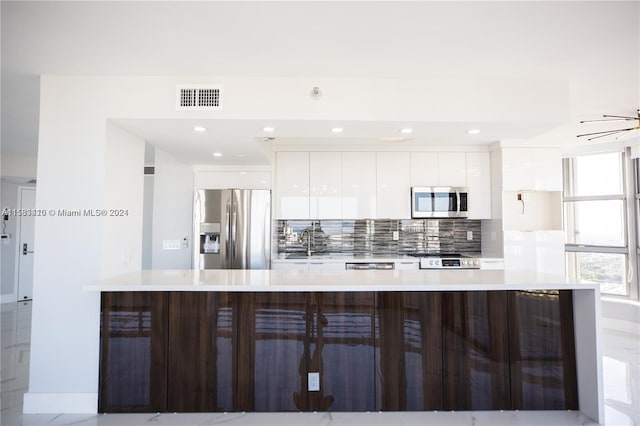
(54, 403)
(8, 298)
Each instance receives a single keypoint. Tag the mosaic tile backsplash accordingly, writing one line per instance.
(375, 236)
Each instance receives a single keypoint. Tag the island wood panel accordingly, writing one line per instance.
(409, 365)
(210, 351)
(133, 342)
(200, 359)
(341, 348)
(272, 363)
(542, 350)
(475, 350)
(294, 334)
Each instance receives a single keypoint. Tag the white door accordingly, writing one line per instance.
(26, 201)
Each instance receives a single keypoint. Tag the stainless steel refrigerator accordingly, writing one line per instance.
(232, 229)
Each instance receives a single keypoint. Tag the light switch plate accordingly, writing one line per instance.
(314, 382)
(170, 244)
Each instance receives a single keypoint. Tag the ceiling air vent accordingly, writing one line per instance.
(199, 98)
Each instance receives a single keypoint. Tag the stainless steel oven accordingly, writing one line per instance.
(439, 201)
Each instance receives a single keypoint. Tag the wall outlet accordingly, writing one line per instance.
(170, 244)
(313, 382)
(395, 235)
(469, 235)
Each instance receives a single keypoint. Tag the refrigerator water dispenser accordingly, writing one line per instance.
(210, 243)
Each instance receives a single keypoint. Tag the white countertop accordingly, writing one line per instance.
(293, 280)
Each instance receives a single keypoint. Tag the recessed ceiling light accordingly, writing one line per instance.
(243, 173)
(199, 129)
(406, 130)
(473, 131)
(337, 130)
(268, 129)
(217, 154)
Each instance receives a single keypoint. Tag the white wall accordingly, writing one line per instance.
(78, 168)
(18, 166)
(225, 177)
(122, 233)
(172, 211)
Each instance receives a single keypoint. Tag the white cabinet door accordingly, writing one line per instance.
(479, 184)
(452, 170)
(289, 266)
(517, 169)
(406, 266)
(292, 185)
(394, 185)
(358, 185)
(533, 169)
(424, 169)
(547, 169)
(325, 185)
(326, 266)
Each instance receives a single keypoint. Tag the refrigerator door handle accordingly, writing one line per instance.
(234, 233)
(227, 229)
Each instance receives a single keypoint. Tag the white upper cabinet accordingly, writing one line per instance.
(438, 169)
(479, 183)
(325, 185)
(452, 169)
(370, 185)
(424, 168)
(547, 169)
(292, 185)
(394, 185)
(358, 185)
(536, 169)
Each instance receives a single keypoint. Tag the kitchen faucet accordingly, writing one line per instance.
(308, 231)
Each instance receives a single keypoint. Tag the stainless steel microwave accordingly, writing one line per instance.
(439, 201)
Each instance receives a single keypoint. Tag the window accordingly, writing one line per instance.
(637, 226)
(602, 232)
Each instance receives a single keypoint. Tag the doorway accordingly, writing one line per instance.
(25, 247)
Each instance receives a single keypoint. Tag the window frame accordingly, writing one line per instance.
(630, 197)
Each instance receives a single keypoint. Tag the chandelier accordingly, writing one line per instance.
(619, 132)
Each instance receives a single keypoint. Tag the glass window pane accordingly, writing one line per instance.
(599, 174)
(607, 269)
(595, 222)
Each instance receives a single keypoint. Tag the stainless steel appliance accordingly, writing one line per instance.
(232, 229)
(369, 265)
(447, 261)
(439, 201)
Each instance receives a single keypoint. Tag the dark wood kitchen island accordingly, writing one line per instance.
(250, 340)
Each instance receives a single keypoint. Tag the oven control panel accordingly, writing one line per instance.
(449, 263)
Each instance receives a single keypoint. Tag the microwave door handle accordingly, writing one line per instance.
(457, 201)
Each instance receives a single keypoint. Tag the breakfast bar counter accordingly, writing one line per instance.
(250, 280)
(392, 340)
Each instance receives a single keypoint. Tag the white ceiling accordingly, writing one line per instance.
(593, 45)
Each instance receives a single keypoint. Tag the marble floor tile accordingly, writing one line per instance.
(621, 363)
